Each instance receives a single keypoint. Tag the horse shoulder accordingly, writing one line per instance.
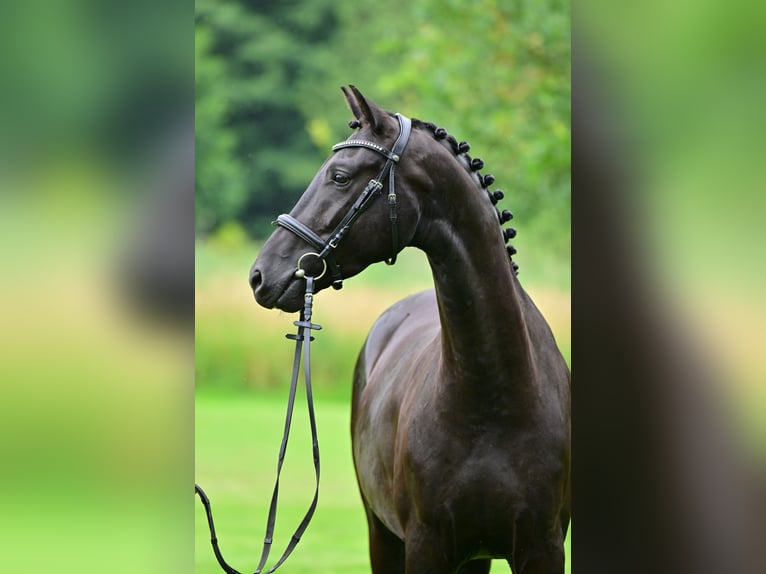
(401, 326)
(385, 376)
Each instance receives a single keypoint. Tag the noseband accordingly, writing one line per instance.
(325, 249)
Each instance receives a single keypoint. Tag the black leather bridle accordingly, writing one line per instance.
(325, 249)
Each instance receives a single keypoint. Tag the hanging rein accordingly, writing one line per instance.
(303, 337)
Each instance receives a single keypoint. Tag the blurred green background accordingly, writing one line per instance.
(268, 109)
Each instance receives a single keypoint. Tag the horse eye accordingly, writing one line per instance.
(340, 178)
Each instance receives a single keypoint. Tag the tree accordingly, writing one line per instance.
(253, 156)
(496, 74)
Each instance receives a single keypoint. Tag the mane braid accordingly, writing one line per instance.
(474, 165)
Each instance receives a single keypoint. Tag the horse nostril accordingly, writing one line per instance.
(255, 279)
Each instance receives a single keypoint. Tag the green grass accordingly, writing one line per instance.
(237, 440)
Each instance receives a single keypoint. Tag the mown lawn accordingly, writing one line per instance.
(237, 440)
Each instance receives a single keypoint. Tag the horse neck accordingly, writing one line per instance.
(486, 351)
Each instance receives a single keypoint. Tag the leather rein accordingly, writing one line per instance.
(303, 337)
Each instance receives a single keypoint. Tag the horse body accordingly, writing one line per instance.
(462, 461)
(460, 415)
(460, 412)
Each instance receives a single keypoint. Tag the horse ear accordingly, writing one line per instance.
(366, 112)
(352, 102)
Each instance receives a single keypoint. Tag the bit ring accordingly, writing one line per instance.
(300, 273)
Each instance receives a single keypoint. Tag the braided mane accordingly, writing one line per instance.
(474, 164)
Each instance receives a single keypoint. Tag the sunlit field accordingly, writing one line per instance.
(243, 364)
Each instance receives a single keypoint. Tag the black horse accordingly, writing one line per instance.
(460, 419)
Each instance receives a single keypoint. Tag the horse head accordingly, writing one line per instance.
(360, 208)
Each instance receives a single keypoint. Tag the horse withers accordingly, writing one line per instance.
(461, 399)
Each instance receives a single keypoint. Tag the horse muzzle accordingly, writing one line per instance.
(285, 293)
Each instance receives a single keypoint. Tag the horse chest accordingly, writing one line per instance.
(455, 462)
